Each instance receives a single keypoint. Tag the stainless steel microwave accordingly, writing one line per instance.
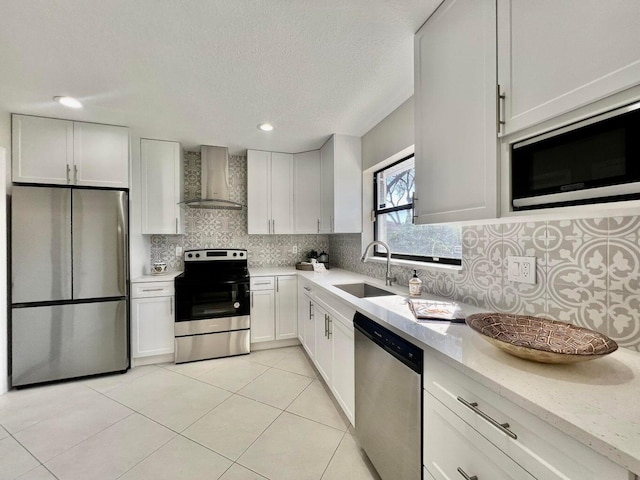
(593, 161)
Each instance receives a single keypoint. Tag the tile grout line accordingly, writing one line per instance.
(333, 455)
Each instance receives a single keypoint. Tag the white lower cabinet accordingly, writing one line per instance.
(464, 426)
(152, 319)
(328, 340)
(273, 308)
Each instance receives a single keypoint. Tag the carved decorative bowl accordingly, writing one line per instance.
(540, 339)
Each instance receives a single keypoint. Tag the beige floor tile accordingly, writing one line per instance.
(112, 452)
(180, 459)
(38, 473)
(276, 387)
(108, 382)
(20, 409)
(272, 356)
(233, 375)
(292, 448)
(315, 403)
(185, 406)
(297, 362)
(55, 435)
(150, 388)
(238, 472)
(192, 369)
(350, 462)
(232, 426)
(3, 433)
(14, 459)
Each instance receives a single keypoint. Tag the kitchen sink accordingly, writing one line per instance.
(363, 290)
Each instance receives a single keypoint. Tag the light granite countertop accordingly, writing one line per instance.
(165, 277)
(595, 402)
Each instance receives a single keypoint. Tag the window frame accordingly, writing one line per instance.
(410, 206)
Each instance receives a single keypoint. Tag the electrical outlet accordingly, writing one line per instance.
(178, 251)
(522, 269)
(294, 249)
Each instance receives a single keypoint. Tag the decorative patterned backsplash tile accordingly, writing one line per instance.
(588, 272)
(228, 228)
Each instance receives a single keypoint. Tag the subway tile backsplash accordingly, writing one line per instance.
(228, 228)
(588, 271)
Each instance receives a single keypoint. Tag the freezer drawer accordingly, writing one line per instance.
(65, 341)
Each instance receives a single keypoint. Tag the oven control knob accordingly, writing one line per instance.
(235, 254)
(190, 255)
(236, 305)
(241, 254)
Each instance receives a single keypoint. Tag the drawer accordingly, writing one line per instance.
(452, 449)
(345, 312)
(262, 283)
(152, 289)
(541, 449)
(305, 287)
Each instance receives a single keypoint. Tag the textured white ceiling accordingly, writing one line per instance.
(208, 71)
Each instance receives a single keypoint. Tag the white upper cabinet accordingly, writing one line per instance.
(162, 187)
(270, 192)
(557, 56)
(100, 155)
(306, 192)
(455, 113)
(61, 152)
(42, 150)
(341, 185)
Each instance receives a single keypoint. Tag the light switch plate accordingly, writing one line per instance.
(178, 251)
(522, 269)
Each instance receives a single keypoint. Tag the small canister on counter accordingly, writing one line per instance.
(324, 259)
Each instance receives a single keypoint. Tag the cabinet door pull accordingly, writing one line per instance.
(500, 97)
(152, 289)
(326, 325)
(269, 225)
(171, 304)
(277, 284)
(465, 476)
(503, 427)
(75, 174)
(310, 310)
(176, 224)
(251, 299)
(414, 205)
(274, 226)
(330, 327)
(68, 173)
(318, 225)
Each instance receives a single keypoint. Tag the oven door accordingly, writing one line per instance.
(204, 299)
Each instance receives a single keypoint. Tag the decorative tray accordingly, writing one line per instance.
(541, 339)
(424, 309)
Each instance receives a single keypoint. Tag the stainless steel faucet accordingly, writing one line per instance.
(388, 279)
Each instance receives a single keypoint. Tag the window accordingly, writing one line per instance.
(394, 187)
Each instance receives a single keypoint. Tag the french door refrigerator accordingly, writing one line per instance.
(69, 283)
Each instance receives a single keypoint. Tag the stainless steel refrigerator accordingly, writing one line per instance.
(69, 283)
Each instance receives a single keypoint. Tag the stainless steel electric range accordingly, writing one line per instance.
(212, 305)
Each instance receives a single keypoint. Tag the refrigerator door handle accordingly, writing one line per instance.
(124, 238)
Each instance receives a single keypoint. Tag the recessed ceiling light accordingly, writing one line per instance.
(265, 127)
(68, 102)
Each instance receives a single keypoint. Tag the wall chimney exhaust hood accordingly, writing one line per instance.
(215, 181)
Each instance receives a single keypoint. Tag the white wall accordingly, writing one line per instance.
(391, 135)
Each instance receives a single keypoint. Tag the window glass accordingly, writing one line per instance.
(395, 187)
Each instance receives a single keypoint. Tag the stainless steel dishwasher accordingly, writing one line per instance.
(388, 371)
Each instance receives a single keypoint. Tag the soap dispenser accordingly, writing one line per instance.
(415, 285)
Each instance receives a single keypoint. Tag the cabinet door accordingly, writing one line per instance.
(324, 350)
(557, 56)
(347, 184)
(152, 326)
(473, 453)
(310, 329)
(326, 186)
(303, 312)
(100, 155)
(286, 307)
(344, 368)
(258, 191)
(281, 193)
(162, 187)
(42, 150)
(306, 192)
(455, 112)
(263, 320)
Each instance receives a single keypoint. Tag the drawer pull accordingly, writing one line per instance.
(464, 474)
(504, 427)
(307, 289)
(262, 283)
(152, 289)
